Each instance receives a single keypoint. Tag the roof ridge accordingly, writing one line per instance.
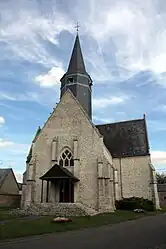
(125, 121)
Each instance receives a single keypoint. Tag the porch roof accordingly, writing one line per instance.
(58, 172)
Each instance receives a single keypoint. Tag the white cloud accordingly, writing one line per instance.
(158, 158)
(19, 176)
(104, 102)
(2, 120)
(52, 78)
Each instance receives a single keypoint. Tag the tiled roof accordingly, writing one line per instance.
(127, 138)
(3, 175)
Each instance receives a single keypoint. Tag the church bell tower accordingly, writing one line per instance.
(77, 79)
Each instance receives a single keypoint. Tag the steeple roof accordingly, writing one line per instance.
(76, 64)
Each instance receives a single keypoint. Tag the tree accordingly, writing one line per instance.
(161, 178)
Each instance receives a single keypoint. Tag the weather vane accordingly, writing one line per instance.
(77, 27)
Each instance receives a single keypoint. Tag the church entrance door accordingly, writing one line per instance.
(66, 191)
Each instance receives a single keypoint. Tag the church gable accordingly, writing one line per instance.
(70, 135)
(67, 123)
(67, 114)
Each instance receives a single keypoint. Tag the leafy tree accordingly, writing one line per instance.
(161, 178)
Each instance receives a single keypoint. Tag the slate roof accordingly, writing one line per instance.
(127, 138)
(3, 174)
(58, 172)
(76, 62)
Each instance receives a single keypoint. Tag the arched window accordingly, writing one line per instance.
(66, 158)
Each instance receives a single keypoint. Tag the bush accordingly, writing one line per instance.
(134, 203)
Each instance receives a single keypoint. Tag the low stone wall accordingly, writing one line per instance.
(59, 209)
(10, 200)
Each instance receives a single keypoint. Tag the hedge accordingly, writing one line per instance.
(135, 203)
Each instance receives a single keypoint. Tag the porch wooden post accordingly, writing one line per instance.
(70, 197)
(42, 192)
(47, 191)
(63, 184)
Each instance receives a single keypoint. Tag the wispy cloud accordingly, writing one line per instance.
(131, 32)
(29, 96)
(25, 32)
(4, 144)
(113, 31)
(12, 146)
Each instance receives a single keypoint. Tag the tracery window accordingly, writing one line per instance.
(66, 159)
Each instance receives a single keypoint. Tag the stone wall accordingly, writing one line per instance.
(10, 200)
(134, 176)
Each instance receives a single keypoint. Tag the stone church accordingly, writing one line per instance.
(72, 161)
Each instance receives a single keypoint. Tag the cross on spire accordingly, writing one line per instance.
(77, 27)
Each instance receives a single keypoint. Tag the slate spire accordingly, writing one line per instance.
(77, 79)
(76, 64)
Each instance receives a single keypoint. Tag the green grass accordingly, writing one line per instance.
(20, 228)
(4, 215)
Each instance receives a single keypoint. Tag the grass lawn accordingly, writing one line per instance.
(19, 228)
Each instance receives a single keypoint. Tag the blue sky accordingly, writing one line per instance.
(123, 44)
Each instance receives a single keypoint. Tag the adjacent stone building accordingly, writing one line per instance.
(75, 162)
(162, 194)
(9, 188)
